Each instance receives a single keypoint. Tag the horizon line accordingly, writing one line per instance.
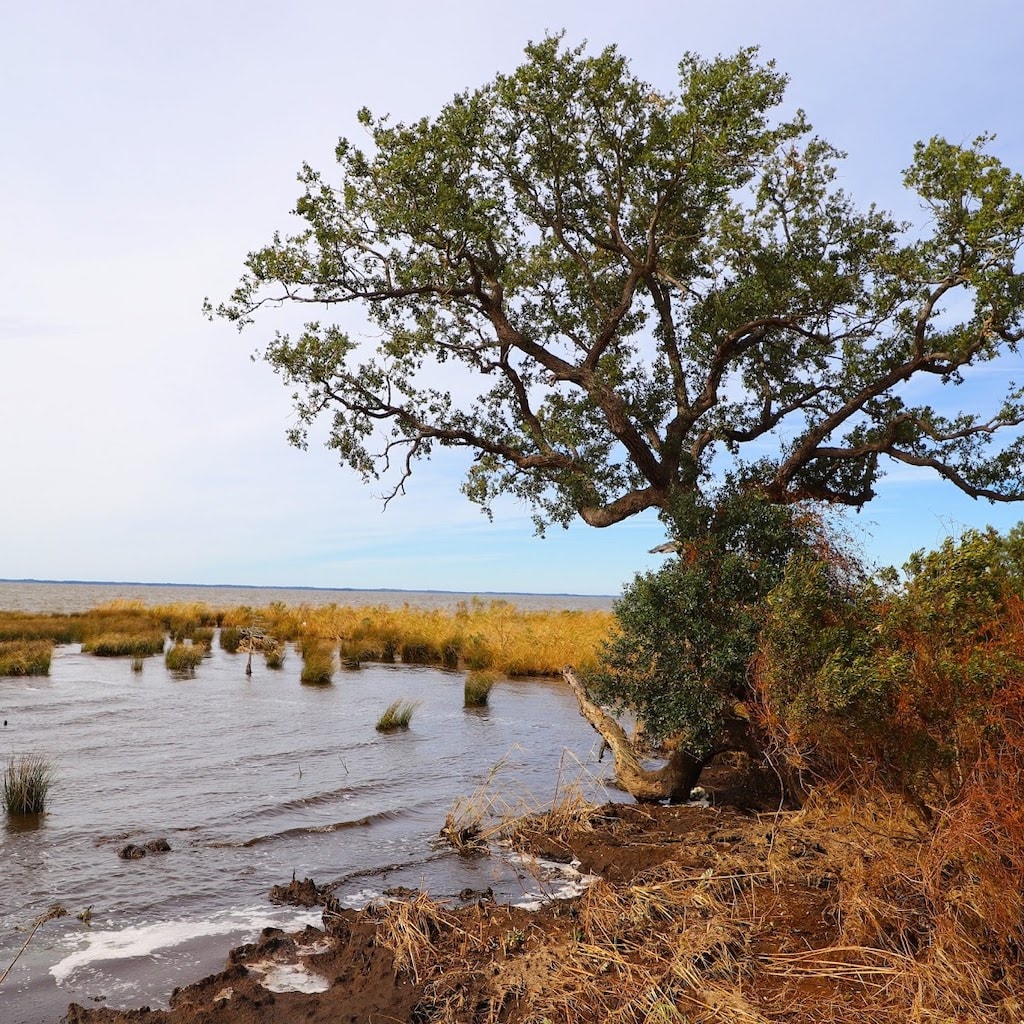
(274, 586)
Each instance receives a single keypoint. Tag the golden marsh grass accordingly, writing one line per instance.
(25, 657)
(474, 635)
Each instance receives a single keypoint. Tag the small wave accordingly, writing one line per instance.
(309, 830)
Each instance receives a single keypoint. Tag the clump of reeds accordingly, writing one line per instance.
(417, 651)
(478, 686)
(137, 662)
(183, 658)
(25, 657)
(475, 635)
(317, 662)
(397, 716)
(202, 636)
(119, 645)
(273, 655)
(27, 782)
(351, 654)
(230, 638)
(58, 628)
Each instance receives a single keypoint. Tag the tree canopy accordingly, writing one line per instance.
(611, 294)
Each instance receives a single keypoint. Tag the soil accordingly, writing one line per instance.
(685, 914)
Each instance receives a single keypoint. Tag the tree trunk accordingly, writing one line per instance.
(672, 782)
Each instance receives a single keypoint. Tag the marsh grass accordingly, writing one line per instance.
(273, 655)
(59, 629)
(122, 645)
(317, 662)
(27, 783)
(182, 658)
(230, 639)
(25, 657)
(478, 686)
(202, 636)
(397, 716)
(474, 634)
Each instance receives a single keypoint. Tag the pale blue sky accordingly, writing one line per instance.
(147, 147)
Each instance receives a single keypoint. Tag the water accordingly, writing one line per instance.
(42, 596)
(250, 780)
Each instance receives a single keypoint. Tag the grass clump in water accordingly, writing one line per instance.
(124, 645)
(25, 657)
(478, 686)
(26, 784)
(397, 716)
(230, 639)
(317, 663)
(183, 658)
(273, 655)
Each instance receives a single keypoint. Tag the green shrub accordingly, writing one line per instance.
(397, 716)
(686, 633)
(183, 658)
(478, 687)
(119, 645)
(25, 657)
(916, 683)
(26, 784)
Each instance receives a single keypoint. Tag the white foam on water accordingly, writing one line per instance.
(294, 977)
(360, 898)
(97, 946)
(560, 881)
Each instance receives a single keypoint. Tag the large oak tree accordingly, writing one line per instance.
(613, 295)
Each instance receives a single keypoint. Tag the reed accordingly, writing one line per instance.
(273, 655)
(474, 635)
(478, 686)
(397, 716)
(202, 636)
(58, 629)
(27, 783)
(317, 663)
(230, 638)
(119, 645)
(25, 657)
(183, 658)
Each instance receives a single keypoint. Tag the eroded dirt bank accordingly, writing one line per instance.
(740, 912)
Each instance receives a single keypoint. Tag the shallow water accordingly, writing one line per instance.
(42, 596)
(251, 780)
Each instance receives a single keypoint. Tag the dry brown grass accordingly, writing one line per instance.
(855, 908)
